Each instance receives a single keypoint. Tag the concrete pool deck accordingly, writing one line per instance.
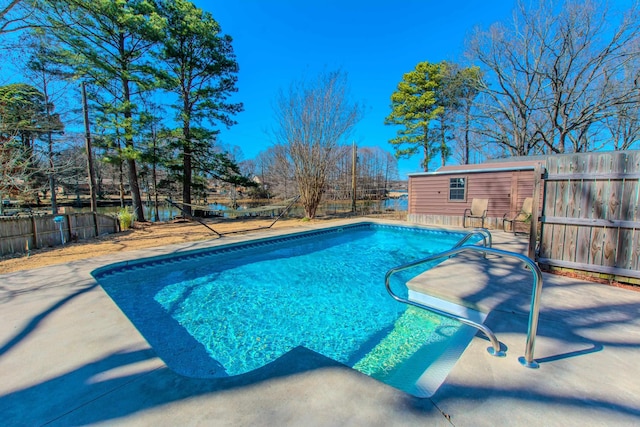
(69, 356)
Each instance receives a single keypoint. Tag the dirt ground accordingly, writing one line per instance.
(143, 235)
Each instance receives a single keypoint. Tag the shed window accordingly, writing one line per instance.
(457, 189)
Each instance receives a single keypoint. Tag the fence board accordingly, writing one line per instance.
(546, 230)
(629, 203)
(625, 249)
(554, 194)
(595, 246)
(583, 234)
(573, 210)
(611, 203)
(635, 257)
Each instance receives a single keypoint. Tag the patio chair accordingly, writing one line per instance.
(522, 217)
(478, 211)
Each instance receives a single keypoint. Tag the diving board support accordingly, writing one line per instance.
(527, 360)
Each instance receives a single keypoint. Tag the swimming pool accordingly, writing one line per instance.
(232, 309)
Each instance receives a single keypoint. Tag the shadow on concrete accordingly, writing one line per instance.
(36, 320)
(462, 391)
(90, 395)
(574, 311)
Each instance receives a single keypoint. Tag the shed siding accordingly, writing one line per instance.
(523, 189)
(506, 191)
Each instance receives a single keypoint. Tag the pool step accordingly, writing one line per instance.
(418, 354)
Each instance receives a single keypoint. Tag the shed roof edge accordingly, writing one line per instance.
(465, 171)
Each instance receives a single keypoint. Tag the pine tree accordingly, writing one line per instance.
(414, 105)
(197, 64)
(106, 41)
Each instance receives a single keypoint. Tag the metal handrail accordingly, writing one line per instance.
(527, 360)
(486, 237)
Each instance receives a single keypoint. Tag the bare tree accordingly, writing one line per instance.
(553, 75)
(375, 169)
(275, 172)
(312, 119)
(283, 171)
(339, 175)
(511, 89)
(585, 61)
(623, 124)
(624, 127)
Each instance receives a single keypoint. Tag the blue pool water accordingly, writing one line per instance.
(230, 310)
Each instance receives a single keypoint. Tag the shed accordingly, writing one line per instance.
(441, 197)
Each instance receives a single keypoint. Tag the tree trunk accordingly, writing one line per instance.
(135, 190)
(425, 161)
(186, 167)
(128, 141)
(467, 124)
(156, 214)
(120, 168)
(133, 178)
(52, 177)
(121, 182)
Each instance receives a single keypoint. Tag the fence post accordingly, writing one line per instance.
(95, 223)
(535, 206)
(69, 228)
(34, 229)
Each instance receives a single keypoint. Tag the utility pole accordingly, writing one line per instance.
(87, 132)
(354, 160)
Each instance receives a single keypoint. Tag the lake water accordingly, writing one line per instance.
(167, 212)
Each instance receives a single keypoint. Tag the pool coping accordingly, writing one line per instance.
(69, 357)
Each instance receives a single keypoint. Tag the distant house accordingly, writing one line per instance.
(441, 197)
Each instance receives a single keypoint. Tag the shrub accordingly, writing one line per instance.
(126, 216)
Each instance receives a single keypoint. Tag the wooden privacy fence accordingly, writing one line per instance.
(22, 234)
(590, 219)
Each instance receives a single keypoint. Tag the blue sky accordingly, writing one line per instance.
(375, 42)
